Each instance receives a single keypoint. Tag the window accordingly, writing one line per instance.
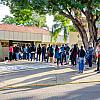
(5, 44)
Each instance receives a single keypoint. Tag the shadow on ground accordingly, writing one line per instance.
(42, 76)
(87, 93)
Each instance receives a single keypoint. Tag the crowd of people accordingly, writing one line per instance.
(57, 54)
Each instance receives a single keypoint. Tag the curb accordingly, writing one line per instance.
(45, 85)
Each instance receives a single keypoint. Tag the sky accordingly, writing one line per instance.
(4, 10)
(49, 20)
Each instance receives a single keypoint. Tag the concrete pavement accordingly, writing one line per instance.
(42, 73)
(39, 81)
(88, 91)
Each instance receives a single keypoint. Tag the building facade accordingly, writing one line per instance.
(12, 35)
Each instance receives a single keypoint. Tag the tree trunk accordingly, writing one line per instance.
(92, 27)
(82, 33)
(80, 28)
(92, 32)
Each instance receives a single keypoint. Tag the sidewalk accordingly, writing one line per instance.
(47, 76)
(17, 66)
(48, 83)
(16, 62)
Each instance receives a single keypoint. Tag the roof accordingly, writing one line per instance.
(25, 29)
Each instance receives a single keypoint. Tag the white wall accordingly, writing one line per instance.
(6, 35)
(2, 35)
(46, 38)
(19, 36)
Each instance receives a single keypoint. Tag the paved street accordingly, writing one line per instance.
(39, 81)
(63, 92)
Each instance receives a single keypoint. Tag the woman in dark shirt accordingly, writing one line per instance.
(74, 55)
(38, 52)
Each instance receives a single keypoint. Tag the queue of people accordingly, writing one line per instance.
(60, 55)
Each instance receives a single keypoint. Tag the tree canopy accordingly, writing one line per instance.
(62, 24)
(72, 9)
(36, 20)
(23, 14)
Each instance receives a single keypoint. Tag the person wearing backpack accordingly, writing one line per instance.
(89, 55)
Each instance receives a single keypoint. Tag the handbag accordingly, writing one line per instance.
(98, 55)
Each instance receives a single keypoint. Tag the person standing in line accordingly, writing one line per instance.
(48, 53)
(72, 47)
(57, 55)
(38, 53)
(77, 56)
(62, 54)
(43, 53)
(20, 52)
(33, 51)
(74, 55)
(14, 53)
(17, 52)
(24, 52)
(81, 59)
(98, 57)
(21, 55)
(29, 52)
(89, 55)
(11, 53)
(67, 49)
(51, 54)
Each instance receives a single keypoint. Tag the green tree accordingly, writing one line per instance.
(9, 20)
(72, 9)
(36, 20)
(71, 28)
(61, 25)
(23, 14)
